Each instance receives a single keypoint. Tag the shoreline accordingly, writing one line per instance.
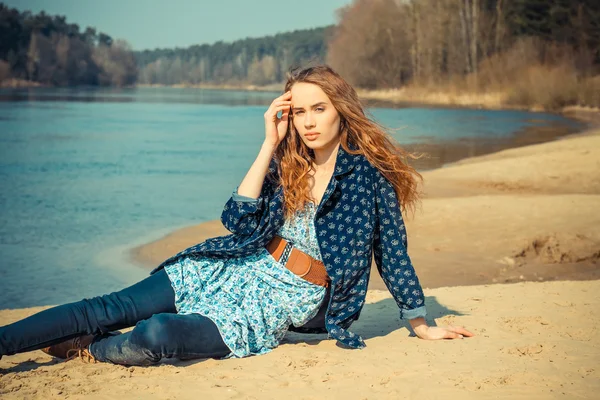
(506, 202)
(390, 97)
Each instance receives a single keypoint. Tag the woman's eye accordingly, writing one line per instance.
(299, 113)
(320, 109)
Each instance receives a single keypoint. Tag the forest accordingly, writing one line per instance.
(532, 53)
(258, 61)
(375, 44)
(48, 50)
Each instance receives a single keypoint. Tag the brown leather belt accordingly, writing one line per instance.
(298, 262)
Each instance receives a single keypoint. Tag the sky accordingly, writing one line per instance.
(148, 24)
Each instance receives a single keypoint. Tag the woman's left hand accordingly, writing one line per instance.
(438, 332)
(444, 332)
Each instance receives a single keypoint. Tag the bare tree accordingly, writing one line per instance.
(370, 45)
(41, 59)
(117, 64)
(500, 27)
(4, 70)
(416, 36)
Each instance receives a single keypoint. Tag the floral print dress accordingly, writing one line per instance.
(252, 299)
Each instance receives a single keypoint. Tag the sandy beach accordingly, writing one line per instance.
(506, 244)
(534, 341)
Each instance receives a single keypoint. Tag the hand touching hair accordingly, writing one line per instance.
(358, 135)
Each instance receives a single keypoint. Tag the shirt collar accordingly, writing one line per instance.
(345, 161)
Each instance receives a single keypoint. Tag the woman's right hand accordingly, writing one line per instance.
(276, 128)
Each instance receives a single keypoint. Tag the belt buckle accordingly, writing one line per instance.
(309, 268)
(285, 255)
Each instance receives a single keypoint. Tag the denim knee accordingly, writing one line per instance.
(151, 334)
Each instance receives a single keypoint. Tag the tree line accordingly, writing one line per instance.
(389, 43)
(258, 61)
(49, 50)
(375, 44)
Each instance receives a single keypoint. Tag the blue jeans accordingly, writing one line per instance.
(149, 305)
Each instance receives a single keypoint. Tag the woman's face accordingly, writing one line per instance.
(314, 117)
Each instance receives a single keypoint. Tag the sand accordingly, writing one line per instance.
(527, 218)
(534, 341)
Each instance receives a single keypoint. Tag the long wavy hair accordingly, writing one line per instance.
(295, 159)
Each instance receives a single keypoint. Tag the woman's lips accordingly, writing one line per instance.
(311, 136)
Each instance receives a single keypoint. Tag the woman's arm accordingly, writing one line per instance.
(395, 266)
(244, 210)
(253, 181)
(390, 252)
(275, 131)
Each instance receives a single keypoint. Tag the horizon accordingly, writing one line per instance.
(193, 23)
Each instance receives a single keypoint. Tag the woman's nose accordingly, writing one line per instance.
(309, 121)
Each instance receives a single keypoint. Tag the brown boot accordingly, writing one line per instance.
(67, 348)
(84, 354)
(75, 347)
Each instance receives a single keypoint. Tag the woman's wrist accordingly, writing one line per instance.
(268, 147)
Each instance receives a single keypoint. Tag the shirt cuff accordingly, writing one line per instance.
(244, 199)
(413, 313)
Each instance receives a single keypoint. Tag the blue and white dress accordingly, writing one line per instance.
(252, 299)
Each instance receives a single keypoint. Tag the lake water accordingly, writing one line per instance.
(87, 174)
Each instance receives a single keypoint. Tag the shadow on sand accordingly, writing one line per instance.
(378, 319)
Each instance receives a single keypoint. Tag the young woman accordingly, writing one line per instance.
(322, 197)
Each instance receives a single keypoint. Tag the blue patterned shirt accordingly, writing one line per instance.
(358, 218)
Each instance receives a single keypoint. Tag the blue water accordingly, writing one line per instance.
(87, 174)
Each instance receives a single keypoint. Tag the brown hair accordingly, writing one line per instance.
(370, 139)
